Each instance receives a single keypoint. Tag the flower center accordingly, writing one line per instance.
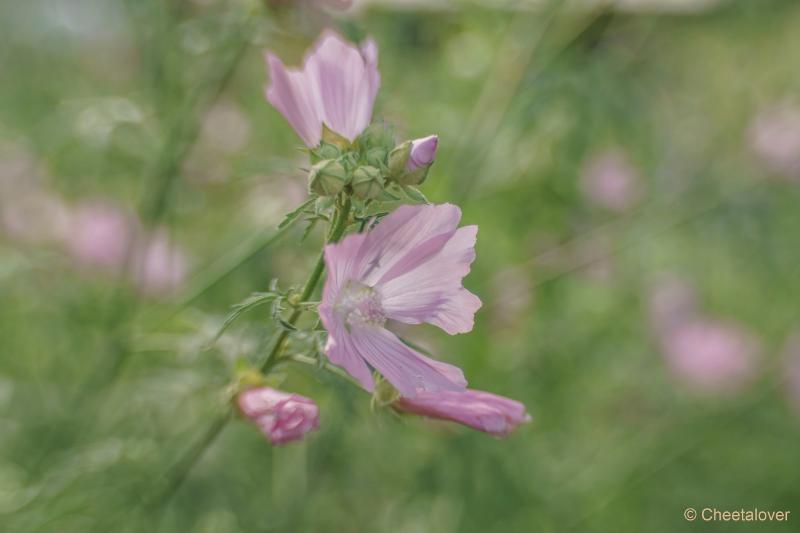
(360, 305)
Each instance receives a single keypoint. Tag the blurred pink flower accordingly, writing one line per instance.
(336, 86)
(711, 355)
(409, 269)
(791, 355)
(100, 235)
(610, 181)
(282, 417)
(775, 138)
(160, 265)
(486, 412)
(423, 152)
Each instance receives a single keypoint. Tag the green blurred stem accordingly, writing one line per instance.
(186, 463)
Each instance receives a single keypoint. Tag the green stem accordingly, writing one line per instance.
(186, 463)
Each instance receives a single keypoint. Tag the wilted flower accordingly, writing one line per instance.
(711, 355)
(609, 181)
(281, 416)
(480, 410)
(100, 236)
(336, 87)
(409, 269)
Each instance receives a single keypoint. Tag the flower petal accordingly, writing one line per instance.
(404, 238)
(432, 292)
(409, 371)
(292, 95)
(345, 83)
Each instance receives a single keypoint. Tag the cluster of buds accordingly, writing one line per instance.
(372, 167)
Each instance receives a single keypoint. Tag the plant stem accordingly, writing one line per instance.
(185, 464)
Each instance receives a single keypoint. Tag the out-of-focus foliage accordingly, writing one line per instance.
(618, 163)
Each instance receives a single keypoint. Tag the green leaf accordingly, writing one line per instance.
(292, 216)
(252, 301)
(414, 194)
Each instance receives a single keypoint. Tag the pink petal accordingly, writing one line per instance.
(423, 152)
(399, 235)
(340, 349)
(432, 292)
(345, 84)
(409, 371)
(292, 94)
(480, 410)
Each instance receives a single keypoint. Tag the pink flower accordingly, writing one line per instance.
(409, 269)
(336, 87)
(480, 410)
(161, 266)
(100, 236)
(775, 138)
(282, 417)
(423, 152)
(792, 369)
(610, 181)
(711, 355)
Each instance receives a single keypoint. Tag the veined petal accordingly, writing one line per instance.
(337, 86)
(292, 95)
(406, 237)
(340, 350)
(409, 371)
(480, 410)
(432, 292)
(344, 81)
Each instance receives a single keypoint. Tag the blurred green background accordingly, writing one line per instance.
(625, 163)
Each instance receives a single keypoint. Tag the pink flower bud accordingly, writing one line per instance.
(486, 412)
(282, 417)
(423, 152)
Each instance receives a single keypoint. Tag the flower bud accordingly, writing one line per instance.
(282, 417)
(376, 157)
(328, 177)
(326, 151)
(423, 152)
(367, 182)
(410, 161)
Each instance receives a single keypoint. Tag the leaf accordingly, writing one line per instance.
(414, 194)
(311, 223)
(292, 216)
(252, 301)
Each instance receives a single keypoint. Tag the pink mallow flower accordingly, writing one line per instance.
(711, 355)
(100, 235)
(479, 410)
(610, 181)
(161, 266)
(336, 86)
(423, 152)
(281, 416)
(792, 369)
(408, 269)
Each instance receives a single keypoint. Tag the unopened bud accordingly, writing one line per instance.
(410, 161)
(376, 157)
(327, 177)
(367, 182)
(326, 151)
